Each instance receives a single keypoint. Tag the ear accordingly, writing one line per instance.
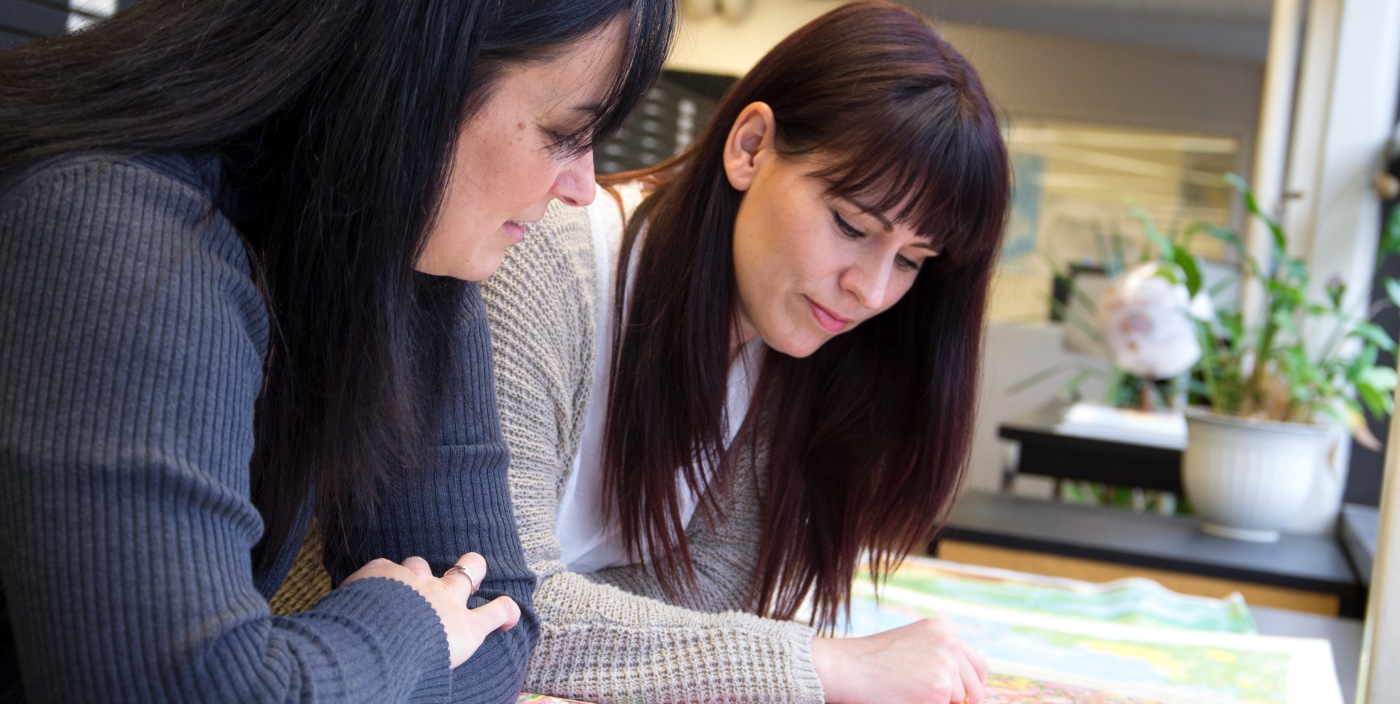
(751, 135)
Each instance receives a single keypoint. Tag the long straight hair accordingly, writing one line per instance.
(335, 121)
(869, 436)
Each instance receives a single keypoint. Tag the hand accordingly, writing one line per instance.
(466, 628)
(922, 662)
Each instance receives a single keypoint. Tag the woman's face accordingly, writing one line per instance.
(511, 159)
(809, 265)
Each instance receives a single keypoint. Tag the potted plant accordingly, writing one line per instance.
(1274, 394)
(1139, 344)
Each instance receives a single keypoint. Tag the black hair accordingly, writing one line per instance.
(335, 121)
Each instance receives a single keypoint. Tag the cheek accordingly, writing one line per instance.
(455, 213)
(529, 176)
(502, 165)
(898, 292)
(472, 180)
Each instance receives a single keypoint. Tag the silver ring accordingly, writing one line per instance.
(467, 573)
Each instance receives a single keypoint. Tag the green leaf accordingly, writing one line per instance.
(1101, 245)
(1390, 236)
(1374, 334)
(1166, 249)
(1223, 234)
(1170, 274)
(1232, 324)
(1280, 240)
(1379, 403)
(1071, 387)
(1359, 363)
(1336, 288)
(1191, 270)
(1392, 286)
(1242, 186)
(1382, 378)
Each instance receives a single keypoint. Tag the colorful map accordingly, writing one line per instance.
(1015, 689)
(1172, 663)
(1130, 601)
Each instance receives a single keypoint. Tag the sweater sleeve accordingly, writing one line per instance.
(462, 504)
(131, 348)
(598, 642)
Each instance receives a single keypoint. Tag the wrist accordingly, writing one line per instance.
(827, 660)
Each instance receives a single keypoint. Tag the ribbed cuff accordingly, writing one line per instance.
(807, 686)
(404, 637)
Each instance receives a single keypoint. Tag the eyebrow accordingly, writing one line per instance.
(889, 226)
(884, 221)
(592, 109)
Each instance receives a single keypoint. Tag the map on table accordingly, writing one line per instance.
(1026, 688)
(1151, 663)
(1134, 600)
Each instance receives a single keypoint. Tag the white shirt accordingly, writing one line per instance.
(589, 543)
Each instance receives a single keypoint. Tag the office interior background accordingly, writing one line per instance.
(1112, 108)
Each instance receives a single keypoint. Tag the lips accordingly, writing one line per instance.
(516, 231)
(827, 319)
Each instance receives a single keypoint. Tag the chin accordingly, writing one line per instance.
(798, 349)
(479, 270)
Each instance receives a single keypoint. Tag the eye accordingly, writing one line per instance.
(904, 262)
(564, 144)
(846, 228)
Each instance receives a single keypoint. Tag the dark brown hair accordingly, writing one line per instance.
(869, 436)
(335, 121)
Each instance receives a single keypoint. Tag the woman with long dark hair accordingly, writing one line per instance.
(753, 368)
(237, 247)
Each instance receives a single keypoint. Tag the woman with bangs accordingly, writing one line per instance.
(752, 366)
(239, 242)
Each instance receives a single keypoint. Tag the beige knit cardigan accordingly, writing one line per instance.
(611, 636)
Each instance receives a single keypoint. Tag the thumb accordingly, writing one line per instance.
(501, 613)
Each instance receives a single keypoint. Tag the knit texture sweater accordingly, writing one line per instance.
(611, 635)
(132, 340)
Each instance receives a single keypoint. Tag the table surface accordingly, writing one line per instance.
(1343, 633)
(1175, 543)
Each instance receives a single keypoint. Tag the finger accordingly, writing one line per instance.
(979, 662)
(467, 574)
(375, 567)
(501, 613)
(418, 566)
(971, 682)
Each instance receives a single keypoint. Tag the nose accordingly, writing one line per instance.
(574, 184)
(868, 280)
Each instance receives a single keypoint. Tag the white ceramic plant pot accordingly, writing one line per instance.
(1248, 479)
(1319, 514)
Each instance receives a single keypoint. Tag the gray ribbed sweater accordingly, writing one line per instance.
(609, 636)
(132, 340)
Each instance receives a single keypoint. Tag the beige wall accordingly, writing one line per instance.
(715, 44)
(1036, 77)
(1030, 75)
